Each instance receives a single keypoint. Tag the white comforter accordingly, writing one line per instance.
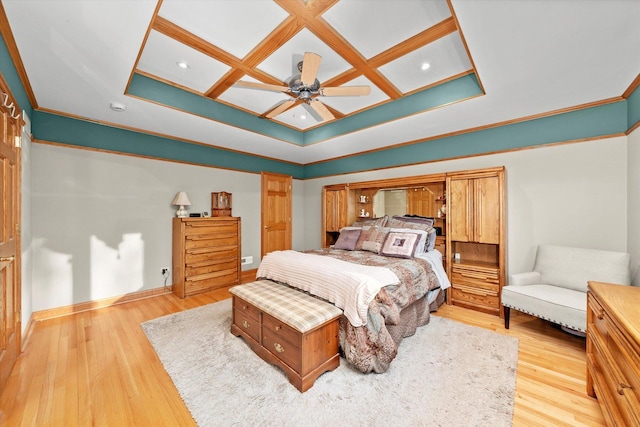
(349, 286)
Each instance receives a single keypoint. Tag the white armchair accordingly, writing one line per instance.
(557, 288)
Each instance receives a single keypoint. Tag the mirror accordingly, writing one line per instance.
(426, 200)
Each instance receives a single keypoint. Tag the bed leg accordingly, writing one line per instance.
(507, 312)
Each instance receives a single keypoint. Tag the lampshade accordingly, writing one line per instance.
(181, 200)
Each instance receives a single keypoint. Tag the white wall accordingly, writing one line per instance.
(633, 197)
(102, 222)
(570, 194)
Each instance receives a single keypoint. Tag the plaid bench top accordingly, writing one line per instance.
(293, 307)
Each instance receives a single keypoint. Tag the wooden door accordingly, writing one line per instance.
(459, 210)
(10, 316)
(276, 212)
(486, 210)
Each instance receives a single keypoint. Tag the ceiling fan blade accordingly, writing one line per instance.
(321, 109)
(281, 108)
(261, 86)
(345, 91)
(310, 66)
(312, 112)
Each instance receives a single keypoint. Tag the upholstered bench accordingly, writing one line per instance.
(288, 328)
(556, 289)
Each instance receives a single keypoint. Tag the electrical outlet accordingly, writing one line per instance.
(246, 260)
(165, 271)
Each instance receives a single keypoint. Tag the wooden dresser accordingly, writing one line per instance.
(206, 254)
(613, 351)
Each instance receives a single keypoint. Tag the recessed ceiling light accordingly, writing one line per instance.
(425, 66)
(118, 107)
(303, 117)
(183, 65)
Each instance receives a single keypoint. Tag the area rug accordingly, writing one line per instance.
(447, 374)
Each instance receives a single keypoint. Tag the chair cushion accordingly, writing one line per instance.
(572, 268)
(563, 306)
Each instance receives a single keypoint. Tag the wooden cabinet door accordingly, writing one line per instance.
(460, 215)
(475, 210)
(335, 209)
(486, 210)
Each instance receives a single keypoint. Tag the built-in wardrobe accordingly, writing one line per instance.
(468, 208)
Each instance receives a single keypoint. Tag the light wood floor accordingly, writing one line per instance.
(97, 368)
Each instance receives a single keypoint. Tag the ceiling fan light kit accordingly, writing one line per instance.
(305, 89)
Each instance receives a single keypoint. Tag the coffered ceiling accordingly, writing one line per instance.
(526, 57)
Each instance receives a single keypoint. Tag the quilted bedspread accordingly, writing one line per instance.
(395, 312)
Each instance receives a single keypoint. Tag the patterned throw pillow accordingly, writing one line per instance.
(399, 244)
(423, 240)
(372, 239)
(373, 222)
(415, 223)
(348, 239)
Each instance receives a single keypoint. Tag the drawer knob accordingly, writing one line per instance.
(277, 328)
(244, 307)
(245, 324)
(278, 347)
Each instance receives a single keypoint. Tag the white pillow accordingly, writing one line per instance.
(431, 240)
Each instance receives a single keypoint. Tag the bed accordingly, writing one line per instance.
(385, 276)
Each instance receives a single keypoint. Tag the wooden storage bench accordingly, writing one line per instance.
(287, 328)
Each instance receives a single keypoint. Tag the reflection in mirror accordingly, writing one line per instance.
(423, 201)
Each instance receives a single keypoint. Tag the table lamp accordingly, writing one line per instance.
(181, 200)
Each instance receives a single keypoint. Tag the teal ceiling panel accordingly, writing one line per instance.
(12, 78)
(604, 120)
(66, 130)
(459, 89)
(462, 88)
(633, 108)
(162, 93)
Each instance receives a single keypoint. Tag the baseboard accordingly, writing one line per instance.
(245, 277)
(248, 276)
(24, 339)
(92, 305)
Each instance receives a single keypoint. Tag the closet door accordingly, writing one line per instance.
(10, 315)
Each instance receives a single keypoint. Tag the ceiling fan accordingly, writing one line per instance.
(305, 89)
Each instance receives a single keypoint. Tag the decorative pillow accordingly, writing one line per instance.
(372, 239)
(379, 222)
(348, 239)
(414, 223)
(414, 219)
(423, 241)
(399, 244)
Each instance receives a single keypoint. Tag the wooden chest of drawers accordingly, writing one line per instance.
(613, 351)
(206, 254)
(476, 286)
